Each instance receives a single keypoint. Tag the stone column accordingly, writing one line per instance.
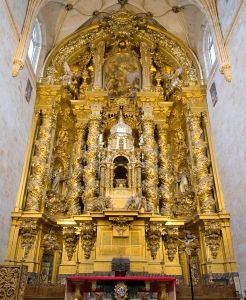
(150, 159)
(139, 180)
(203, 179)
(165, 171)
(36, 185)
(111, 176)
(91, 156)
(129, 176)
(74, 183)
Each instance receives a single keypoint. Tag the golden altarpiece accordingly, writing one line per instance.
(120, 163)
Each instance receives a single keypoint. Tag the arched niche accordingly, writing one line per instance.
(120, 172)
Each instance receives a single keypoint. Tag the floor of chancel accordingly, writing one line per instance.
(120, 163)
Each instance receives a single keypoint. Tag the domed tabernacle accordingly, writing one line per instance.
(121, 127)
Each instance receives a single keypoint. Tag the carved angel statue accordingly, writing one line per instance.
(175, 77)
(68, 74)
(70, 81)
(132, 203)
(173, 82)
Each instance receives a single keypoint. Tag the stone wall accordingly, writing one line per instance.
(15, 114)
(228, 122)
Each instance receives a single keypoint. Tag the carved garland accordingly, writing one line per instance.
(70, 240)
(88, 237)
(212, 231)
(171, 241)
(153, 232)
(28, 233)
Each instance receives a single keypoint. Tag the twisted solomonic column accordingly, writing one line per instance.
(165, 171)
(204, 180)
(150, 164)
(39, 164)
(75, 188)
(90, 170)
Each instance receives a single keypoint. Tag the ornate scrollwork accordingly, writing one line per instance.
(171, 241)
(212, 232)
(121, 224)
(88, 237)
(13, 280)
(70, 238)
(28, 233)
(153, 233)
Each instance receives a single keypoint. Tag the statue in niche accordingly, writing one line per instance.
(57, 178)
(183, 183)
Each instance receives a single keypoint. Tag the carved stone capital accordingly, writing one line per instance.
(18, 65)
(226, 70)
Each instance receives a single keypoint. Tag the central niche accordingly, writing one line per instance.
(122, 75)
(120, 172)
